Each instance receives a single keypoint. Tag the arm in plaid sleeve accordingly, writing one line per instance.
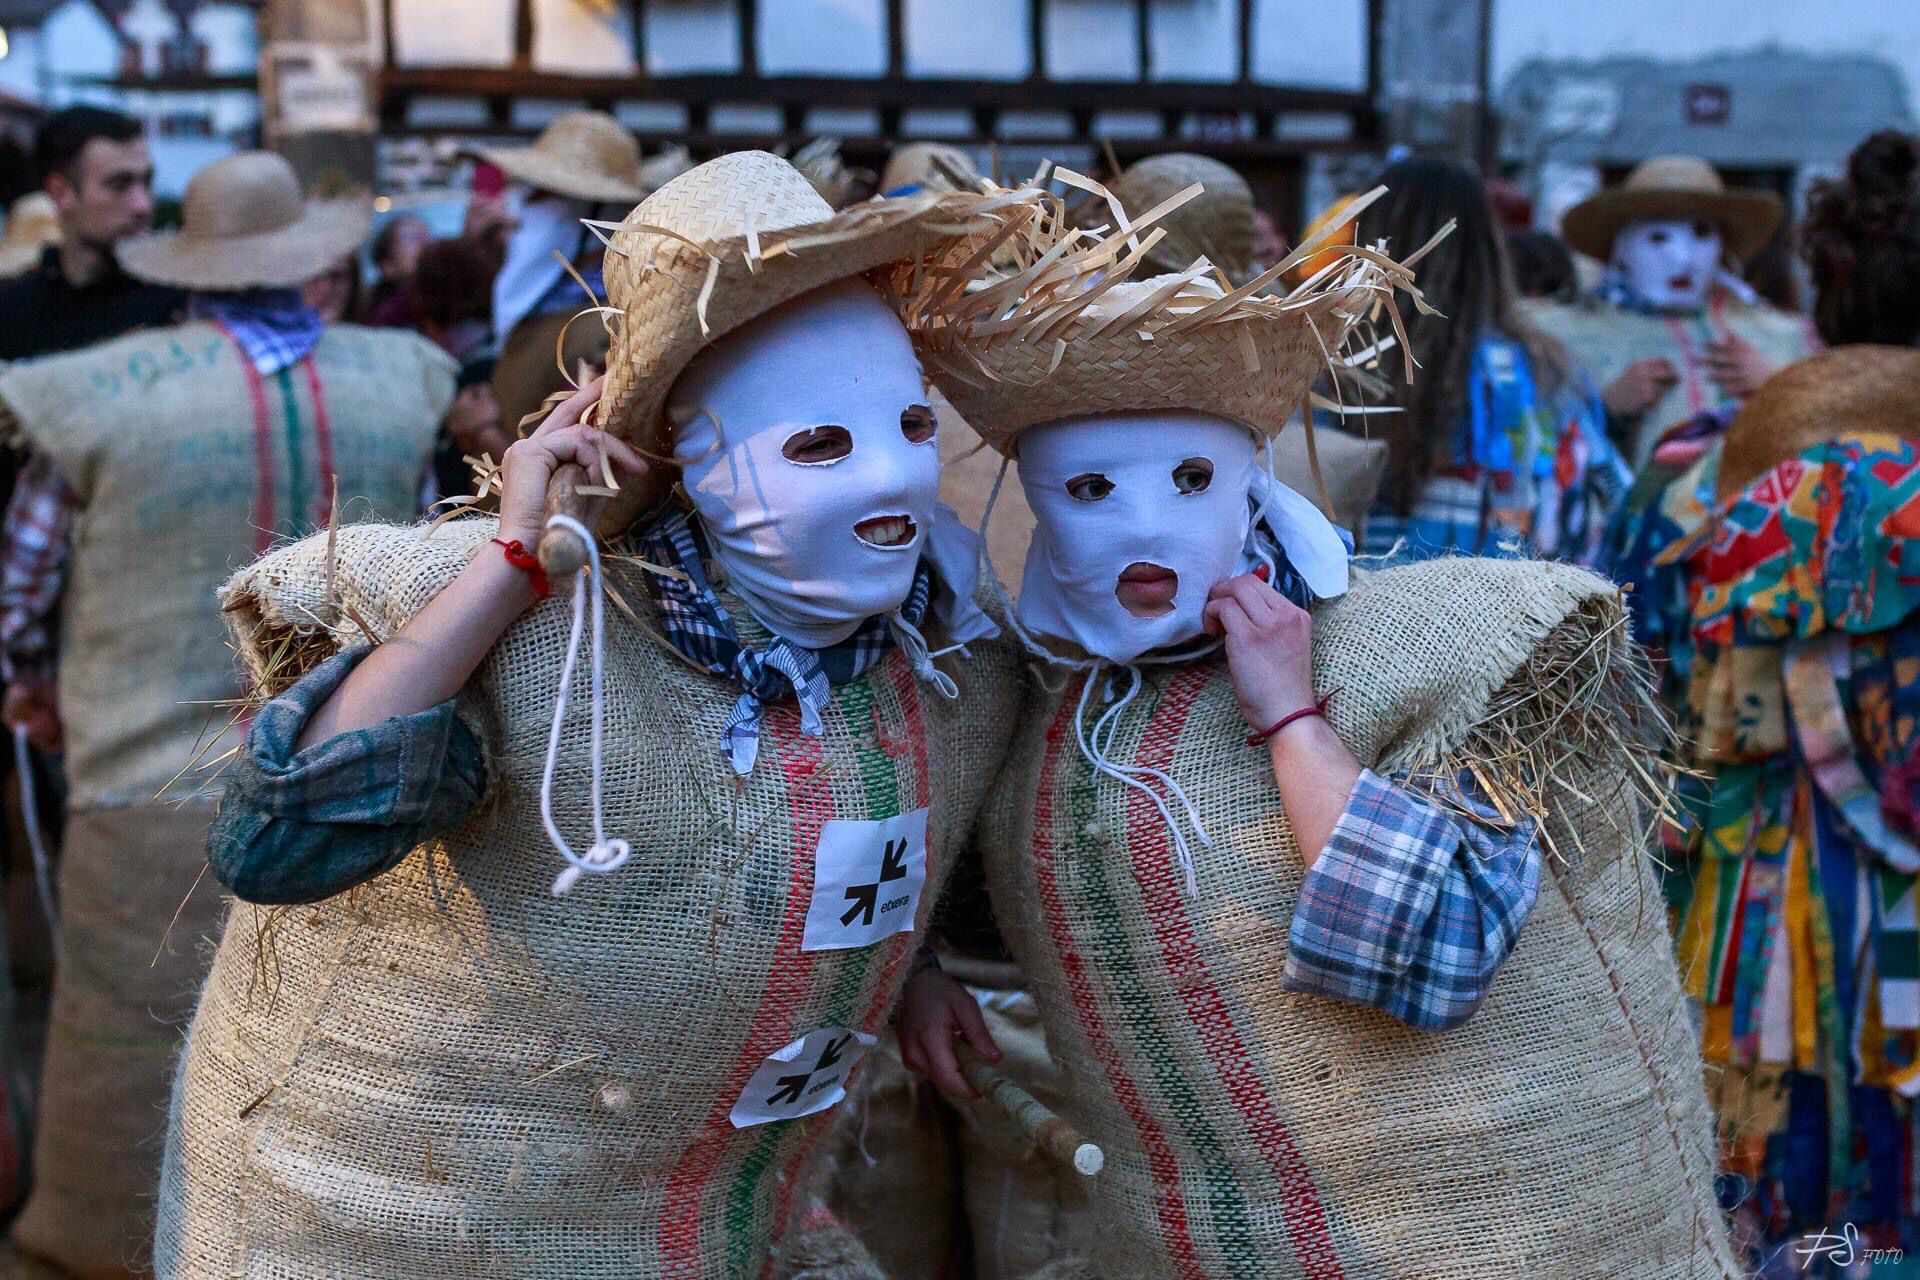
(33, 572)
(302, 826)
(1412, 907)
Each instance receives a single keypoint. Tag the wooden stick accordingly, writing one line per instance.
(1056, 1139)
(560, 550)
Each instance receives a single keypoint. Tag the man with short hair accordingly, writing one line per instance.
(94, 164)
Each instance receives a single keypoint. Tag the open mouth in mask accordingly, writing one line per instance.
(888, 533)
(1147, 590)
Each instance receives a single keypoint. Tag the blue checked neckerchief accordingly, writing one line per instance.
(698, 625)
(273, 326)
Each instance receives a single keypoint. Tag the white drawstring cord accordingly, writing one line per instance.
(30, 814)
(1094, 747)
(914, 645)
(605, 855)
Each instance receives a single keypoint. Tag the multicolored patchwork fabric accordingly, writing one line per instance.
(1789, 617)
(1531, 471)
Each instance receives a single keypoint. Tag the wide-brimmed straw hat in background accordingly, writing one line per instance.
(1673, 187)
(1070, 333)
(33, 223)
(929, 166)
(245, 226)
(1216, 224)
(730, 240)
(587, 155)
(1846, 391)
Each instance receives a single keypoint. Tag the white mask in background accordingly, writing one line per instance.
(807, 449)
(529, 270)
(1138, 516)
(1669, 263)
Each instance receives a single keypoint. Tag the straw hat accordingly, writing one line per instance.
(33, 223)
(244, 226)
(1848, 390)
(587, 155)
(1217, 225)
(930, 166)
(663, 168)
(730, 240)
(1673, 187)
(1071, 334)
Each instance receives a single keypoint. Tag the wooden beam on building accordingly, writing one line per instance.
(749, 38)
(386, 33)
(637, 13)
(523, 33)
(896, 39)
(1143, 36)
(1037, 39)
(1246, 41)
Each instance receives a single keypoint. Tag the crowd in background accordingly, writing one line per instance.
(1564, 407)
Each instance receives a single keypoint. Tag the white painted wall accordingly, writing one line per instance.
(1524, 29)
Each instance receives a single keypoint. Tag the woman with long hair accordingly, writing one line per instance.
(1499, 446)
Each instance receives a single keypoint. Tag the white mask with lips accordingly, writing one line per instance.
(1669, 263)
(807, 449)
(1138, 516)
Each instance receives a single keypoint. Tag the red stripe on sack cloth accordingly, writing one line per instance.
(1168, 1203)
(786, 987)
(262, 447)
(1213, 1024)
(322, 443)
(900, 946)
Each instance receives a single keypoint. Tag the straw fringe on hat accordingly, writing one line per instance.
(587, 155)
(1072, 333)
(33, 223)
(737, 236)
(244, 226)
(1217, 224)
(1673, 187)
(1849, 390)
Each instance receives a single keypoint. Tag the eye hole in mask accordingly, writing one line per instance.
(918, 423)
(1660, 236)
(1193, 475)
(1703, 229)
(1090, 486)
(818, 445)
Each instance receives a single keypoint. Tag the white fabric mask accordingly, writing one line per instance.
(1155, 508)
(529, 271)
(808, 451)
(1669, 263)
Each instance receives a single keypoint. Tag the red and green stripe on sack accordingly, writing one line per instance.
(293, 450)
(1160, 1025)
(732, 1195)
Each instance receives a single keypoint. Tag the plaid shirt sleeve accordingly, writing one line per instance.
(302, 826)
(33, 569)
(1413, 906)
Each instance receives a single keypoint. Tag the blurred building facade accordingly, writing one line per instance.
(185, 67)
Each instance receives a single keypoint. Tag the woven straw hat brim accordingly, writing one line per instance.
(1847, 391)
(676, 298)
(1747, 219)
(1075, 332)
(328, 231)
(549, 172)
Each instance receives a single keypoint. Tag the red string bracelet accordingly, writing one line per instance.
(1317, 709)
(528, 563)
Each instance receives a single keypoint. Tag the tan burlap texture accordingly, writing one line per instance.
(136, 923)
(450, 1070)
(1562, 1131)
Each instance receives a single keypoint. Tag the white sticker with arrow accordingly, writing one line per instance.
(867, 878)
(806, 1076)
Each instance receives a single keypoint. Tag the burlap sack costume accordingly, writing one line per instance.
(1562, 1131)
(451, 1070)
(187, 464)
(1606, 339)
